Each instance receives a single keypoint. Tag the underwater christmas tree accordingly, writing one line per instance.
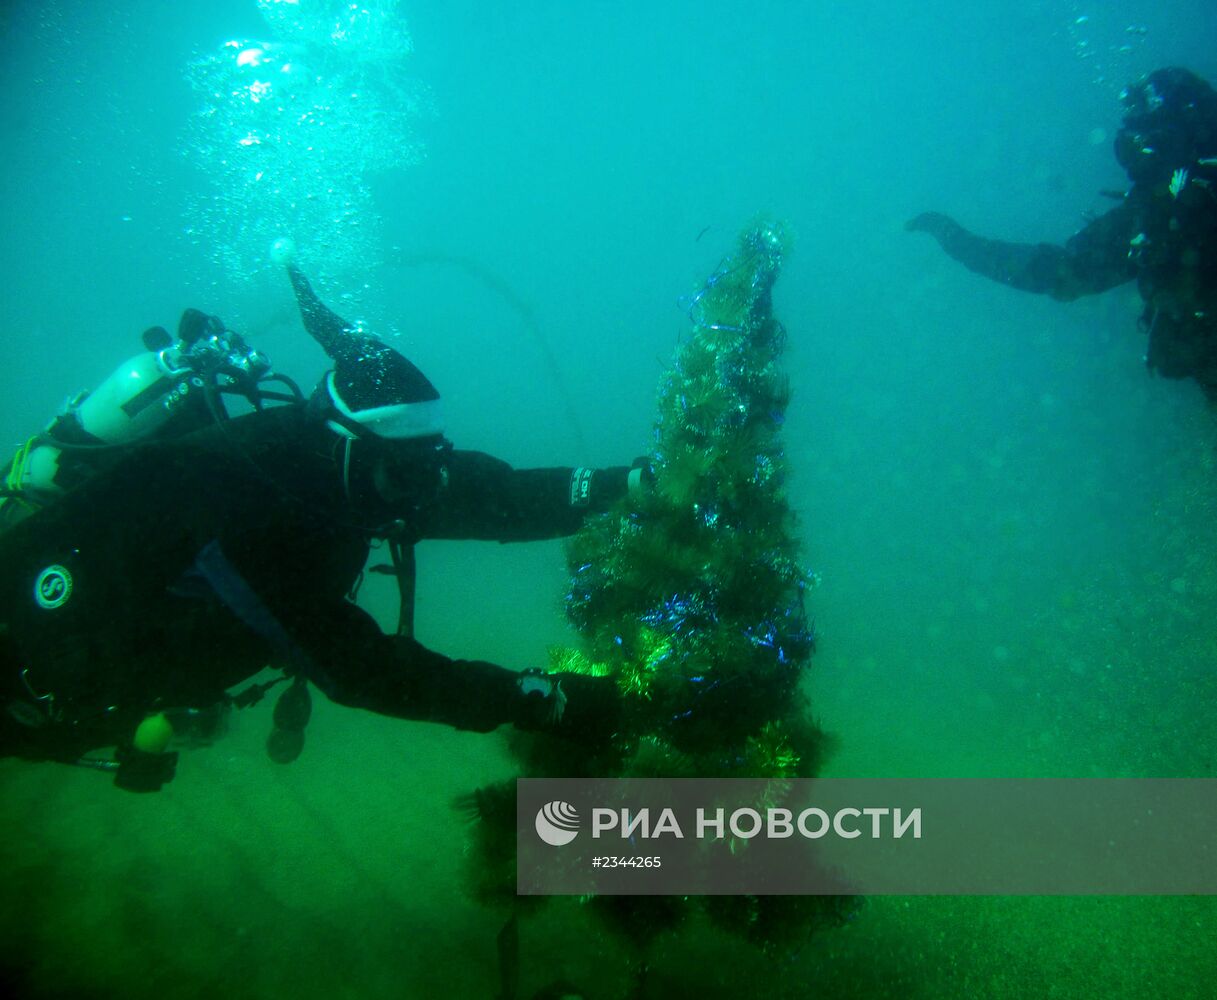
(693, 599)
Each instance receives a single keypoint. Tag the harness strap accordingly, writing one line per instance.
(243, 601)
(405, 568)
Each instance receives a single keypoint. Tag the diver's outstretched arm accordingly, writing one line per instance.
(1093, 260)
(485, 498)
(399, 677)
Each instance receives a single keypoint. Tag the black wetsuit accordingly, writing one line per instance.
(112, 607)
(1163, 234)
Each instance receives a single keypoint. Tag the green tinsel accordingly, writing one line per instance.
(694, 599)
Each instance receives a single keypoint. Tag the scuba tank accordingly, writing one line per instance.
(172, 387)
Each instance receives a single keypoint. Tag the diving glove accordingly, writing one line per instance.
(543, 699)
(942, 227)
(641, 478)
(598, 489)
(575, 706)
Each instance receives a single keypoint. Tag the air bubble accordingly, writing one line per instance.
(297, 154)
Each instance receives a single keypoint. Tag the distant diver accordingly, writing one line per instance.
(1163, 234)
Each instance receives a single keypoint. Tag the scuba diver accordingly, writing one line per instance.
(1163, 232)
(158, 551)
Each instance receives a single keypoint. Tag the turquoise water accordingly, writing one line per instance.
(1011, 519)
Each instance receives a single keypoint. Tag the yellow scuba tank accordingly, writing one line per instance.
(131, 404)
(137, 400)
(153, 734)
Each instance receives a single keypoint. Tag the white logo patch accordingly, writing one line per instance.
(53, 587)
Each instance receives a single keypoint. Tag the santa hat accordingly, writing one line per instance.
(373, 388)
(379, 390)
